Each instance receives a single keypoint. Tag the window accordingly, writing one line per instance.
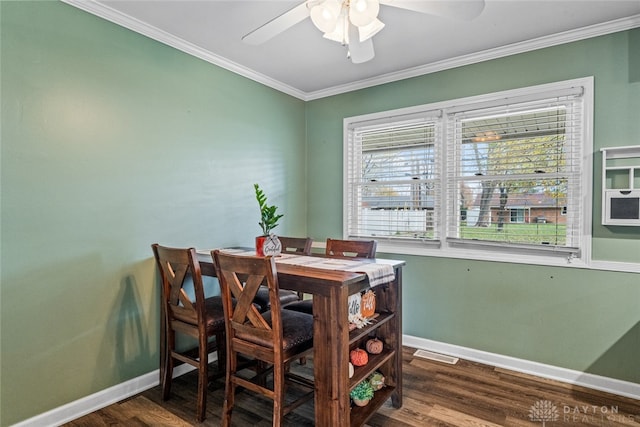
(506, 173)
(517, 215)
(393, 178)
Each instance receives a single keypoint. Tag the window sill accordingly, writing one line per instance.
(480, 255)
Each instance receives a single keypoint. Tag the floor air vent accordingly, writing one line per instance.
(436, 356)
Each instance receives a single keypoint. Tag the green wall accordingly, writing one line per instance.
(111, 142)
(586, 320)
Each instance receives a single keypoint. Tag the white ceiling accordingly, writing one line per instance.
(302, 63)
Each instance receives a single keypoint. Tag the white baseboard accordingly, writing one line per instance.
(86, 405)
(99, 400)
(596, 382)
(93, 402)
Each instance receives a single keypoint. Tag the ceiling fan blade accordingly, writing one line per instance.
(359, 51)
(277, 25)
(459, 9)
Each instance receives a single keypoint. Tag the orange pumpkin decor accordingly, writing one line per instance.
(374, 346)
(368, 304)
(358, 357)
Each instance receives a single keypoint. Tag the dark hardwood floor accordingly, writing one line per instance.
(435, 394)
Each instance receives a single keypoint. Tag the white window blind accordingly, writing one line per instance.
(392, 178)
(514, 174)
(500, 176)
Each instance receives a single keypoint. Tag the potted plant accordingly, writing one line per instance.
(362, 393)
(267, 243)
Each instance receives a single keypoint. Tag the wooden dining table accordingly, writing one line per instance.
(333, 339)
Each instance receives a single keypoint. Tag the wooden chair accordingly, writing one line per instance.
(199, 318)
(351, 248)
(290, 245)
(339, 248)
(296, 245)
(273, 338)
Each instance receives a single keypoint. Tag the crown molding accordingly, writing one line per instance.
(500, 52)
(112, 15)
(102, 11)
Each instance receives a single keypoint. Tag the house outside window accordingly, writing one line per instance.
(490, 177)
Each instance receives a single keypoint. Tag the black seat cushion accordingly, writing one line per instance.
(262, 297)
(304, 306)
(215, 312)
(297, 330)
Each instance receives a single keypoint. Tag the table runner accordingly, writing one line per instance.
(377, 273)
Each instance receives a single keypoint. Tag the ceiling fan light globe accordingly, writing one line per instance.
(370, 30)
(324, 15)
(339, 34)
(363, 12)
(359, 5)
(335, 36)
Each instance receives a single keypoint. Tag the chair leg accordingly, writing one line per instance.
(261, 367)
(167, 371)
(203, 379)
(229, 389)
(163, 345)
(278, 398)
(222, 356)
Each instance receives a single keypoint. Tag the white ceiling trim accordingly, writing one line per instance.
(500, 52)
(154, 33)
(102, 11)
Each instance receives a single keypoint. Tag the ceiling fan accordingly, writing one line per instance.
(353, 23)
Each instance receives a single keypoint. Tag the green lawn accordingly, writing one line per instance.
(553, 234)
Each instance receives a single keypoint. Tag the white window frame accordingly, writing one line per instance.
(453, 249)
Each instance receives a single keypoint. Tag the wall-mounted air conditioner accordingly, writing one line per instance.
(621, 186)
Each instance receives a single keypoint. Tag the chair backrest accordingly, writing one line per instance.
(179, 268)
(240, 278)
(296, 245)
(351, 248)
